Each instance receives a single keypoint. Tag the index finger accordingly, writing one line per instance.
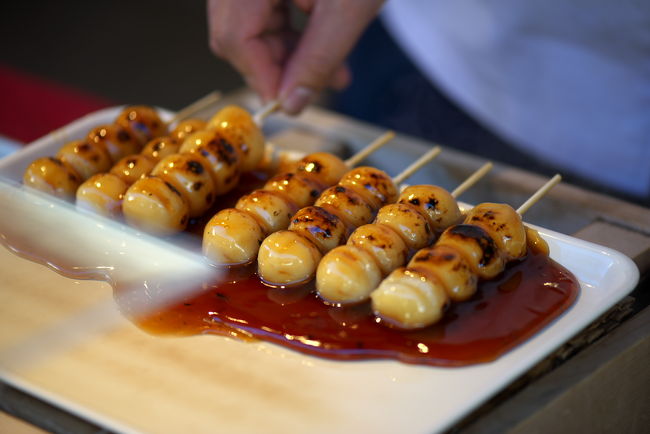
(332, 30)
(241, 36)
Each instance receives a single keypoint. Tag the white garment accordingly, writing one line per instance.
(565, 80)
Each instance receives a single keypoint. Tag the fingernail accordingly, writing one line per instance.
(296, 100)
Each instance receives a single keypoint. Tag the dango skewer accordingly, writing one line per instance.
(186, 184)
(491, 235)
(265, 111)
(171, 181)
(78, 160)
(103, 193)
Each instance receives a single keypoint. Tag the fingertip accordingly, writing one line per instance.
(266, 88)
(295, 100)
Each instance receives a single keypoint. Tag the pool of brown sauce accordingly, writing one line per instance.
(504, 312)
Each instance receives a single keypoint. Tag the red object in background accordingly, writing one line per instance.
(31, 107)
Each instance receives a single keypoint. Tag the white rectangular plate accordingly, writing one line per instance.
(132, 382)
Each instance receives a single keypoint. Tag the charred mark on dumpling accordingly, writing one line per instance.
(195, 167)
(172, 188)
(478, 234)
(84, 147)
(123, 135)
(423, 257)
(303, 219)
(353, 200)
(227, 152)
(489, 214)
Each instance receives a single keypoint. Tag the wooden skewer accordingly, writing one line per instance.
(416, 165)
(196, 106)
(265, 111)
(473, 178)
(272, 155)
(369, 149)
(539, 194)
(380, 141)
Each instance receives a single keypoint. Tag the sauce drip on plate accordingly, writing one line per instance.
(503, 313)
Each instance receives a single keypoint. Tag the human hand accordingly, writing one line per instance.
(255, 36)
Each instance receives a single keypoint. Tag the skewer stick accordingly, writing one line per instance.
(369, 149)
(416, 165)
(265, 111)
(539, 194)
(473, 178)
(196, 106)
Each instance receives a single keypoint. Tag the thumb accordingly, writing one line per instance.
(333, 28)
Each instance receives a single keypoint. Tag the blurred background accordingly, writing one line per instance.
(60, 60)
